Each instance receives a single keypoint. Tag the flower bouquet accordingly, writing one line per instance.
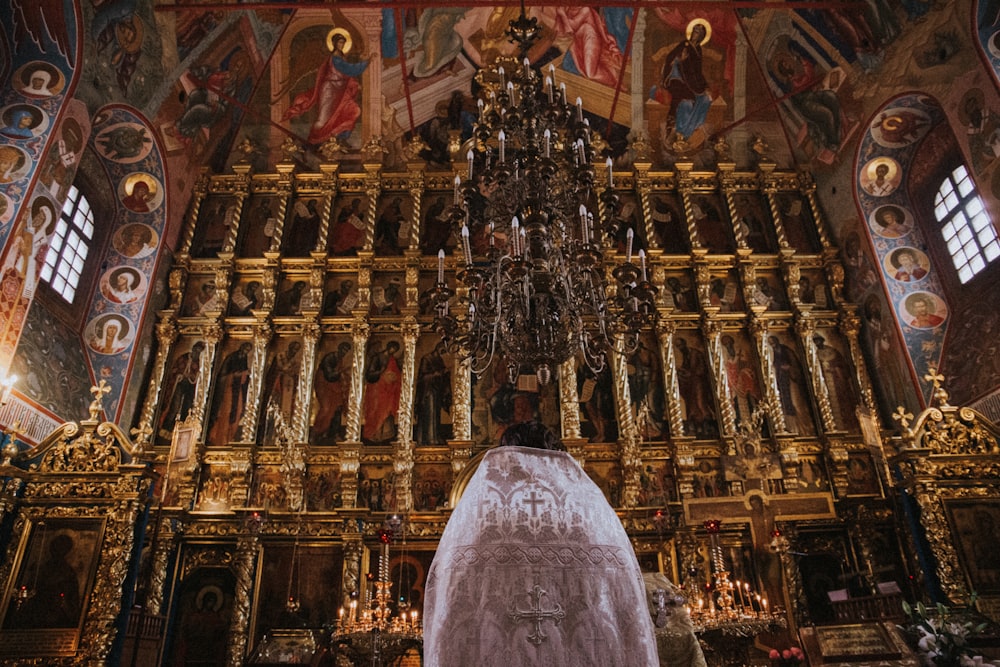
(942, 640)
(790, 657)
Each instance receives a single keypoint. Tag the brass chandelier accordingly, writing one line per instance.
(534, 227)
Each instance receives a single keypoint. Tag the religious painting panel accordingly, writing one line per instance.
(596, 394)
(798, 223)
(862, 477)
(202, 609)
(177, 390)
(201, 297)
(388, 294)
(348, 224)
(813, 290)
(707, 479)
(839, 378)
(258, 224)
(229, 395)
(393, 224)
(340, 294)
(791, 379)
(679, 292)
(331, 390)
(608, 477)
(753, 220)
(48, 594)
(269, 489)
(431, 486)
(811, 474)
(279, 391)
(750, 465)
(383, 384)
(646, 389)
(498, 401)
(408, 574)
(426, 283)
(712, 222)
(323, 488)
(768, 291)
(724, 291)
(292, 294)
(377, 488)
(670, 232)
(246, 295)
(213, 496)
(432, 401)
(974, 525)
(295, 586)
(688, 73)
(630, 218)
(216, 215)
(742, 374)
(694, 381)
(657, 483)
(436, 229)
(302, 222)
(860, 269)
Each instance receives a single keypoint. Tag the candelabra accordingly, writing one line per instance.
(372, 634)
(730, 607)
(533, 227)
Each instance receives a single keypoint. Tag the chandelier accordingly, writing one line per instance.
(534, 226)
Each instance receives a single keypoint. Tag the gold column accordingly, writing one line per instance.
(244, 561)
(212, 335)
(359, 338)
(240, 191)
(728, 181)
(284, 188)
(850, 326)
(665, 330)
(258, 361)
(759, 330)
(166, 334)
(712, 329)
(805, 327)
(628, 436)
(769, 185)
(569, 400)
(307, 368)
(200, 190)
(403, 458)
(373, 187)
(685, 184)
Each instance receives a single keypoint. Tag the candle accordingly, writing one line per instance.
(562, 92)
(527, 67)
(480, 104)
(441, 266)
(548, 141)
(549, 88)
(628, 246)
(642, 261)
(515, 236)
(579, 109)
(465, 243)
(502, 78)
(503, 144)
(489, 230)
(458, 184)
(470, 156)
(583, 224)
(611, 177)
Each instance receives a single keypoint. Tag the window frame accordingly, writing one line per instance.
(962, 220)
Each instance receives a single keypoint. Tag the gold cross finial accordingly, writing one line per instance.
(99, 390)
(140, 436)
(903, 417)
(936, 378)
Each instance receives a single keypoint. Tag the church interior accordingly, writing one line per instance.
(259, 320)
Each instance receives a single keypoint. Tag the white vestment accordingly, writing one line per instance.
(534, 568)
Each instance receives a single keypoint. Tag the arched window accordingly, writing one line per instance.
(69, 245)
(966, 226)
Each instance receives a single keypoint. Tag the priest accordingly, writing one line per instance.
(534, 568)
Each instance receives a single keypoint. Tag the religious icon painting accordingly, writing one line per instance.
(742, 377)
(797, 222)
(302, 573)
(6, 209)
(862, 478)
(712, 222)
(906, 264)
(270, 489)
(229, 396)
(768, 292)
(812, 477)
(109, 333)
(202, 609)
(974, 524)
(39, 79)
(140, 192)
(302, 223)
(898, 127)
(279, 393)
(432, 402)
(257, 226)
(431, 487)
(891, 221)
(678, 292)
(839, 378)
(292, 295)
(880, 176)
(331, 390)
(388, 294)
(790, 376)
(409, 570)
(608, 478)
(393, 224)
(216, 217)
(656, 483)
(323, 488)
(123, 284)
(923, 310)
(753, 222)
(246, 295)
(436, 229)
(202, 297)
(426, 283)
(213, 496)
(14, 164)
(630, 218)
(23, 121)
(646, 392)
(695, 385)
(135, 240)
(177, 389)
(349, 224)
(670, 232)
(126, 143)
(376, 489)
(813, 290)
(340, 296)
(596, 395)
(383, 384)
(499, 401)
(724, 292)
(707, 479)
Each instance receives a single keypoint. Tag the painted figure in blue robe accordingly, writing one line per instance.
(683, 81)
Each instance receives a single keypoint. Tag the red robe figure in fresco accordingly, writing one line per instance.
(594, 51)
(385, 383)
(334, 95)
